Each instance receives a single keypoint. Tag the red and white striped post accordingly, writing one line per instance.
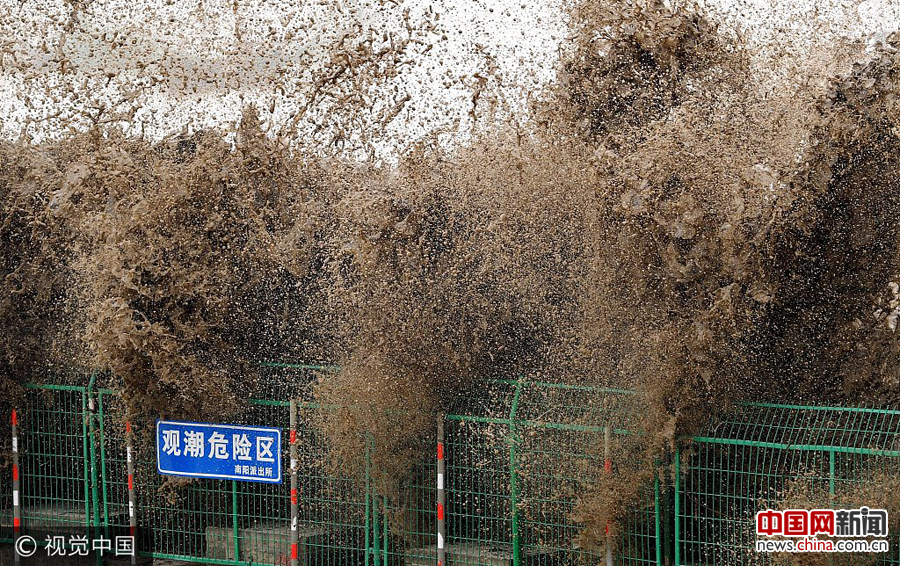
(132, 500)
(17, 509)
(293, 448)
(607, 466)
(441, 501)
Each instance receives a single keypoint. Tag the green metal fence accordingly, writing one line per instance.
(518, 457)
(776, 456)
(566, 435)
(496, 514)
(54, 440)
(231, 522)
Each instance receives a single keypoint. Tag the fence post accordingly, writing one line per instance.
(17, 510)
(607, 467)
(384, 525)
(132, 500)
(514, 477)
(92, 441)
(293, 440)
(831, 473)
(376, 546)
(234, 521)
(831, 487)
(677, 506)
(86, 454)
(441, 499)
(656, 524)
(368, 542)
(104, 490)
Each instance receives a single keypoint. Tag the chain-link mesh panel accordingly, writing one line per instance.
(54, 464)
(479, 496)
(230, 522)
(177, 517)
(113, 469)
(570, 436)
(408, 523)
(332, 506)
(780, 457)
(478, 510)
(558, 466)
(518, 457)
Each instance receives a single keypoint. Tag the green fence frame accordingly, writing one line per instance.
(236, 523)
(760, 454)
(346, 520)
(505, 504)
(56, 440)
(499, 506)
